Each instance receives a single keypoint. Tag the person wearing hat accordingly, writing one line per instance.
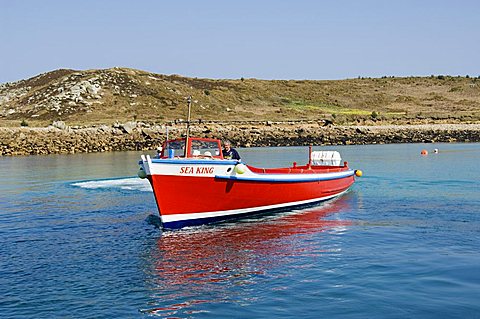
(159, 152)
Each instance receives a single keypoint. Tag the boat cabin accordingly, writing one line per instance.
(196, 148)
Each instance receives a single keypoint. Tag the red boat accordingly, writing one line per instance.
(196, 185)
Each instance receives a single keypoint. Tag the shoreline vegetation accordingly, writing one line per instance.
(130, 136)
(69, 111)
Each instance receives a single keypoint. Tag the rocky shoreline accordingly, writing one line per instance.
(61, 139)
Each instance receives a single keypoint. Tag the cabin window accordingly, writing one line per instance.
(178, 148)
(201, 147)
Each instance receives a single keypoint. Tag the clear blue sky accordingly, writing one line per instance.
(271, 39)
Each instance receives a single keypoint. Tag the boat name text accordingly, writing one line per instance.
(196, 170)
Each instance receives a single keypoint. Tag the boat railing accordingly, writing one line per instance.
(297, 169)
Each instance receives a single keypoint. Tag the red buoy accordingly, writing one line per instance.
(424, 152)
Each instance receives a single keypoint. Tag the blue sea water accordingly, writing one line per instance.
(79, 238)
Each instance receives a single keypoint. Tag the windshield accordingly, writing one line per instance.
(205, 148)
(177, 147)
(200, 148)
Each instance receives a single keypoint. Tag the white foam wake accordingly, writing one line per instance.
(132, 183)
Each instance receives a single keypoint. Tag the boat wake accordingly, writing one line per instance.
(129, 184)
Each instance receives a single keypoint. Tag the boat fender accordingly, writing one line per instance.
(358, 173)
(240, 168)
(141, 173)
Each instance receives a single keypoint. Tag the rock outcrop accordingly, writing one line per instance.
(62, 139)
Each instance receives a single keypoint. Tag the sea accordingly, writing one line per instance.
(80, 238)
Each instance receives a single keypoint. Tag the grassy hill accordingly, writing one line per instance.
(121, 94)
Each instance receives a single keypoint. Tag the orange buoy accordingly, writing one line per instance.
(358, 173)
(424, 152)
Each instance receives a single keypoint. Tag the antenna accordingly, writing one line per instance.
(189, 101)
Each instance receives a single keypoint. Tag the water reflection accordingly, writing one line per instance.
(214, 264)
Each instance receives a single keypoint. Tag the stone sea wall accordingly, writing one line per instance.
(61, 139)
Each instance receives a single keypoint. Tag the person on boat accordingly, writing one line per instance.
(208, 155)
(196, 153)
(159, 152)
(229, 152)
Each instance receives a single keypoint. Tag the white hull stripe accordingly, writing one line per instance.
(179, 217)
(290, 178)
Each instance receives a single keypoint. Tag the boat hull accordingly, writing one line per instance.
(200, 192)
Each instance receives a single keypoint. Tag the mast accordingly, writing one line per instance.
(189, 101)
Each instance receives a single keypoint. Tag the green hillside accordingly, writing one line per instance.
(120, 94)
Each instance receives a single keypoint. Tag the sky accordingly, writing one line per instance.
(265, 39)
